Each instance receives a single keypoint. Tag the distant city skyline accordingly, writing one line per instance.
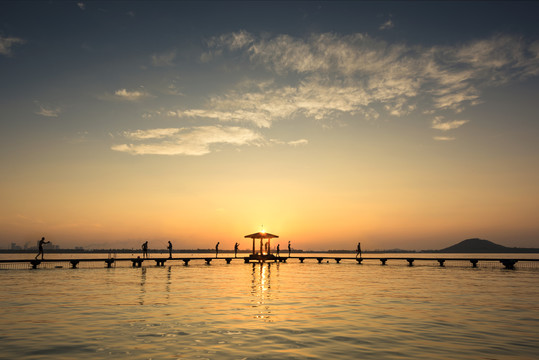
(407, 125)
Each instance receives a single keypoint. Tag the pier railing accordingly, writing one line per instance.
(507, 263)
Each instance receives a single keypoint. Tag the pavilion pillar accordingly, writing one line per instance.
(253, 246)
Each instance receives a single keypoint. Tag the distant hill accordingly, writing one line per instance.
(484, 246)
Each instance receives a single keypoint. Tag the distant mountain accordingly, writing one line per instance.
(483, 246)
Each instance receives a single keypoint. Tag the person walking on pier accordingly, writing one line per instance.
(145, 250)
(236, 245)
(217, 249)
(40, 247)
(278, 249)
(358, 252)
(169, 247)
(289, 249)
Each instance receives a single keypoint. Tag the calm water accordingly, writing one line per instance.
(270, 311)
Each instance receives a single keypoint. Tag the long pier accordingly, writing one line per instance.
(508, 263)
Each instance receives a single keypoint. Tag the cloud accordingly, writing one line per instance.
(438, 124)
(387, 25)
(328, 74)
(126, 95)
(164, 59)
(6, 44)
(193, 141)
(443, 138)
(48, 111)
(81, 5)
(299, 142)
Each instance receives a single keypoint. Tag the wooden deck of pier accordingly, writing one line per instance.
(508, 263)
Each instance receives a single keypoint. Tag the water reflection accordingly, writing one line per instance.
(142, 285)
(261, 291)
(167, 286)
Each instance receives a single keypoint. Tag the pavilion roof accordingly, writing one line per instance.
(261, 235)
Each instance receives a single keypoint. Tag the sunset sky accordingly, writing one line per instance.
(397, 124)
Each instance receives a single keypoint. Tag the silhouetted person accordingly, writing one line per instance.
(278, 248)
(40, 247)
(236, 249)
(145, 250)
(217, 249)
(289, 249)
(358, 252)
(169, 247)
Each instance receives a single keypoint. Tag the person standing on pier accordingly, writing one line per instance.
(145, 250)
(278, 249)
(236, 245)
(169, 247)
(40, 247)
(217, 249)
(358, 252)
(289, 249)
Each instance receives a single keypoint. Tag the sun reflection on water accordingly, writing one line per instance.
(261, 291)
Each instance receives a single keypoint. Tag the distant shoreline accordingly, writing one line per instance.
(203, 251)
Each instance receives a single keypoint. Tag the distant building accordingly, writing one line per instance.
(14, 246)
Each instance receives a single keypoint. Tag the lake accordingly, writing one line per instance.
(287, 310)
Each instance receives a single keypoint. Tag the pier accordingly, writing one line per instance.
(506, 263)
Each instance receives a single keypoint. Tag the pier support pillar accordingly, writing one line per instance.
(319, 260)
(137, 262)
(410, 262)
(74, 263)
(301, 260)
(228, 260)
(246, 260)
(208, 261)
(109, 262)
(441, 261)
(160, 262)
(509, 264)
(35, 263)
(474, 262)
(186, 261)
(383, 261)
(338, 260)
(359, 260)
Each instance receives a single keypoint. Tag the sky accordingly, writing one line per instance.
(408, 125)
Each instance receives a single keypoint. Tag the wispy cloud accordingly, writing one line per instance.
(164, 59)
(194, 141)
(299, 142)
(387, 25)
(126, 95)
(443, 138)
(329, 74)
(81, 5)
(439, 124)
(7, 43)
(47, 110)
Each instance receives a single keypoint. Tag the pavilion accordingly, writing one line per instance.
(265, 247)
